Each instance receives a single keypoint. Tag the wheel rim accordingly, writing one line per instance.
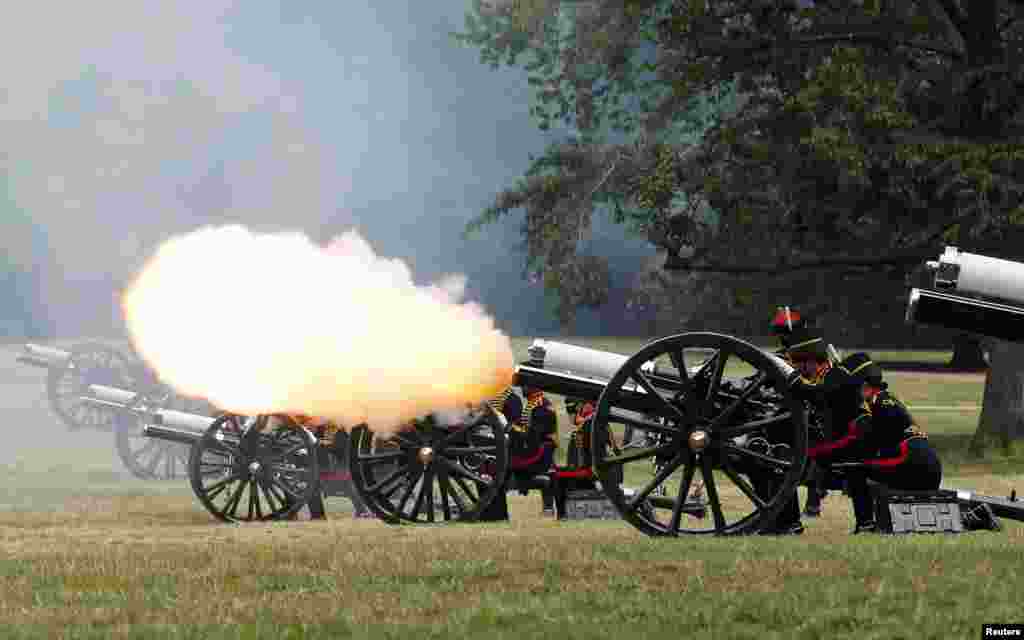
(89, 364)
(700, 428)
(430, 474)
(264, 471)
(151, 458)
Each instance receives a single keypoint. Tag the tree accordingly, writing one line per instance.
(597, 106)
(863, 135)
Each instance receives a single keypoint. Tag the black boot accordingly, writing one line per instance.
(865, 527)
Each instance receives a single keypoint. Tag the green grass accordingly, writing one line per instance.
(87, 554)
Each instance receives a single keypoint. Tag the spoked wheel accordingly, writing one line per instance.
(254, 469)
(431, 473)
(151, 458)
(90, 363)
(701, 421)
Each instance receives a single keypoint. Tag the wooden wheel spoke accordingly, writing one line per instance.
(413, 479)
(445, 488)
(155, 461)
(754, 425)
(232, 504)
(427, 493)
(459, 470)
(684, 492)
(618, 417)
(374, 458)
(667, 407)
(398, 473)
(707, 472)
(678, 360)
(738, 402)
(219, 486)
(639, 454)
(744, 486)
(252, 499)
(656, 482)
(717, 373)
(150, 444)
(473, 497)
(288, 492)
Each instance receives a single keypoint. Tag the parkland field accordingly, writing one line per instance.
(86, 551)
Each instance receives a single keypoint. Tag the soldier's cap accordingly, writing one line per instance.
(806, 342)
(853, 371)
(862, 368)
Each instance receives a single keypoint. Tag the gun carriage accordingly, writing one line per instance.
(71, 372)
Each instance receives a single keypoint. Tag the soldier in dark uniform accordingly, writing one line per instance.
(791, 327)
(880, 438)
(808, 352)
(535, 440)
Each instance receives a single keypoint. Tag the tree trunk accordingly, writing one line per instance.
(1002, 411)
(968, 354)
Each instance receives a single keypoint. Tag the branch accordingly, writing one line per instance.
(849, 38)
(894, 257)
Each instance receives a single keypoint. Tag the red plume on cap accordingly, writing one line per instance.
(786, 320)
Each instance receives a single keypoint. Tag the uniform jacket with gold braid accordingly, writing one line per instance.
(879, 435)
(536, 421)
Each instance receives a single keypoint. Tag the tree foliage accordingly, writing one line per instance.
(759, 136)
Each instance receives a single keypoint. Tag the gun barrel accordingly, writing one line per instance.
(120, 398)
(38, 355)
(955, 312)
(163, 432)
(633, 402)
(111, 394)
(979, 275)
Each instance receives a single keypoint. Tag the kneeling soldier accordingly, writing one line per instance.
(881, 438)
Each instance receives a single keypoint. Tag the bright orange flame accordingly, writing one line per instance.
(272, 323)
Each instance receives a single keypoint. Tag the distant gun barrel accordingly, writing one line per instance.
(960, 274)
(123, 399)
(41, 356)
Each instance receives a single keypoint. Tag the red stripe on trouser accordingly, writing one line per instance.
(828, 447)
(579, 473)
(895, 461)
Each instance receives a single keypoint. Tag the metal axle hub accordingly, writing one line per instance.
(425, 455)
(698, 440)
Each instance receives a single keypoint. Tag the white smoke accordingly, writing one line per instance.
(265, 323)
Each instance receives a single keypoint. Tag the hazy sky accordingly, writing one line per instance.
(126, 120)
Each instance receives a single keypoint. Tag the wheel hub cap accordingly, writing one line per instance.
(425, 455)
(698, 440)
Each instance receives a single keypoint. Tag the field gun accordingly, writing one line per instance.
(275, 462)
(991, 291)
(71, 372)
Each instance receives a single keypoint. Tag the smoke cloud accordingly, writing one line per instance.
(268, 323)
